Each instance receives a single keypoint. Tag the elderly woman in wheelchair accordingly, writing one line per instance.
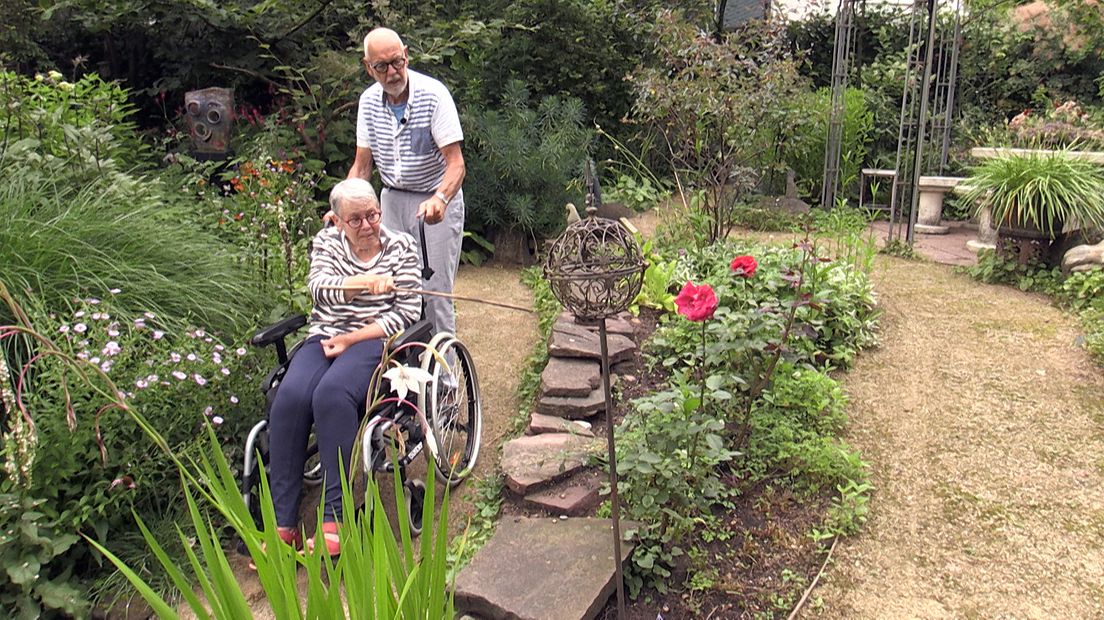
(359, 277)
(326, 382)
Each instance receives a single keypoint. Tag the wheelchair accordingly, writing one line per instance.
(393, 433)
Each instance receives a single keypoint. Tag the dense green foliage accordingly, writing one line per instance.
(527, 156)
(804, 152)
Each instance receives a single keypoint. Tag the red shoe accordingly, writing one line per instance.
(331, 538)
(291, 536)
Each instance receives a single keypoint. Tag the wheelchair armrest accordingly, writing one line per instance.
(418, 332)
(277, 331)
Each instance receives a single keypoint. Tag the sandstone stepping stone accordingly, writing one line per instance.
(575, 341)
(566, 498)
(573, 407)
(618, 324)
(567, 376)
(542, 569)
(533, 462)
(540, 424)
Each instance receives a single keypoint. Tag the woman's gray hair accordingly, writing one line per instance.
(356, 190)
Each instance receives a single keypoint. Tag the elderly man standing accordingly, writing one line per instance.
(407, 125)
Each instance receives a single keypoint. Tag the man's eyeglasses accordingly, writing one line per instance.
(358, 220)
(397, 64)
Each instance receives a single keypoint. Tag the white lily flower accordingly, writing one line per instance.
(405, 379)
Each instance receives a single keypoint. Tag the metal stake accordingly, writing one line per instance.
(614, 502)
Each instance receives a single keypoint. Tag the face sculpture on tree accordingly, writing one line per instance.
(210, 116)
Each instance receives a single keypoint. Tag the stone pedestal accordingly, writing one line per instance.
(987, 234)
(930, 211)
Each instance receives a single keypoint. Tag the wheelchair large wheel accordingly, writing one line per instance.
(453, 408)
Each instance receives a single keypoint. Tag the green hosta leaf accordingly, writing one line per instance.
(24, 572)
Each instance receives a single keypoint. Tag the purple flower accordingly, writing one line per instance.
(225, 371)
(233, 399)
(142, 384)
(94, 360)
(106, 366)
(139, 322)
(115, 291)
(216, 358)
(63, 329)
(158, 334)
(78, 314)
(200, 333)
(199, 379)
(114, 333)
(219, 347)
(112, 348)
(174, 357)
(208, 410)
(152, 378)
(93, 301)
(216, 420)
(96, 316)
(240, 351)
(83, 355)
(179, 375)
(80, 328)
(192, 357)
(148, 315)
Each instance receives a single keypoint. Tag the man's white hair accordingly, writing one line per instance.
(380, 32)
(355, 190)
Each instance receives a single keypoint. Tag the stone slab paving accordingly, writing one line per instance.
(572, 407)
(569, 498)
(623, 324)
(948, 249)
(540, 424)
(570, 340)
(567, 376)
(534, 462)
(542, 569)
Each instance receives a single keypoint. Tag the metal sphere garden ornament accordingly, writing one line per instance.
(595, 269)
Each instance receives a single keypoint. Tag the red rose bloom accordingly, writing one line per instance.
(697, 303)
(744, 266)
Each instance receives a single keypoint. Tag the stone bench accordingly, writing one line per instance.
(930, 210)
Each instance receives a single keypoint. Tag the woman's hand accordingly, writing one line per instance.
(374, 284)
(332, 347)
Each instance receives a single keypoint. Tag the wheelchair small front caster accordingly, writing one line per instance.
(415, 500)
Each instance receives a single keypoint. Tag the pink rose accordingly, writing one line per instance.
(744, 266)
(697, 303)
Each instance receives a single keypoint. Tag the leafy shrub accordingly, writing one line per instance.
(992, 268)
(523, 160)
(637, 193)
(85, 123)
(1084, 289)
(720, 106)
(794, 429)
(669, 451)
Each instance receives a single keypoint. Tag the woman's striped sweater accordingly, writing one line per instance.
(332, 260)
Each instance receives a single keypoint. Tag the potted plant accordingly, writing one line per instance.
(1032, 195)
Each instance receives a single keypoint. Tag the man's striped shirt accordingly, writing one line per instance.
(333, 260)
(408, 154)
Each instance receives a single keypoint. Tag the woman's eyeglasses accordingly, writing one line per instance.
(358, 220)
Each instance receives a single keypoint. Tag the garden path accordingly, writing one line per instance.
(983, 422)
